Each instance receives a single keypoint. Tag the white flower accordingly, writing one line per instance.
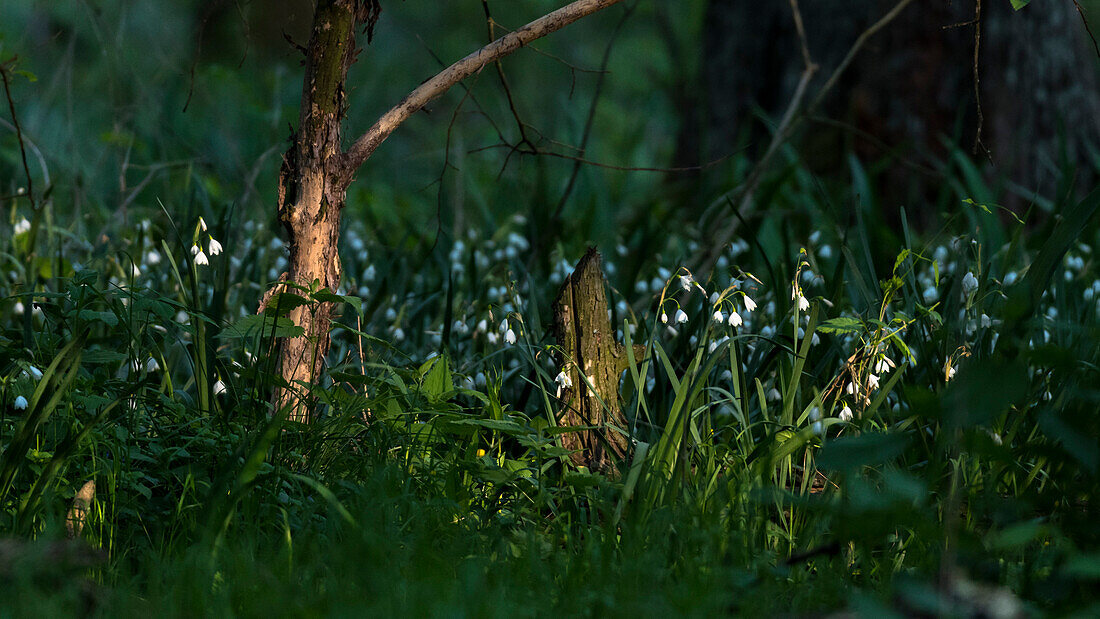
(714, 298)
(664, 318)
(219, 388)
(563, 380)
(803, 302)
(872, 381)
(749, 303)
(35, 373)
(686, 281)
(510, 337)
(815, 340)
(930, 294)
(202, 224)
(884, 365)
(152, 258)
(851, 389)
(718, 317)
(20, 403)
(151, 365)
(986, 321)
(681, 317)
(949, 371)
(492, 337)
(774, 395)
(482, 326)
(846, 413)
(194, 249)
(735, 319)
(970, 283)
(398, 334)
(369, 273)
(200, 258)
(215, 247)
(504, 325)
(22, 226)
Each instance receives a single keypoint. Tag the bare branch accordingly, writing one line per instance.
(363, 147)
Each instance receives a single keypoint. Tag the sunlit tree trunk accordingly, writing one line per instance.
(311, 192)
(315, 173)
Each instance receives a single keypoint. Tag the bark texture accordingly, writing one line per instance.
(310, 195)
(913, 84)
(588, 344)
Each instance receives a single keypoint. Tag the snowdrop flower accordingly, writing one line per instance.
(1010, 278)
(773, 395)
(664, 318)
(194, 249)
(846, 413)
(20, 403)
(152, 258)
(986, 321)
(563, 381)
(22, 226)
(851, 389)
(492, 337)
(735, 319)
(949, 371)
(713, 298)
(219, 388)
(34, 372)
(884, 365)
(930, 294)
(200, 258)
(202, 224)
(749, 303)
(969, 283)
(872, 381)
(803, 302)
(718, 317)
(504, 326)
(815, 340)
(482, 326)
(215, 247)
(681, 317)
(151, 365)
(686, 282)
(510, 337)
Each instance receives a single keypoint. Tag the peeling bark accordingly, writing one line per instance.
(310, 197)
(588, 345)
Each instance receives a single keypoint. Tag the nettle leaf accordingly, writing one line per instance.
(843, 324)
(1019, 4)
(282, 302)
(437, 378)
(256, 324)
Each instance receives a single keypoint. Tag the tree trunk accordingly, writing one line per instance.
(316, 172)
(588, 344)
(311, 193)
(913, 84)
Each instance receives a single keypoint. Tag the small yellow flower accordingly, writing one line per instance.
(480, 452)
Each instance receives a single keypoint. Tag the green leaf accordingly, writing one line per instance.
(843, 324)
(1019, 4)
(257, 324)
(437, 378)
(282, 303)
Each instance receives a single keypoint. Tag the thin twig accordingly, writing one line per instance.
(977, 90)
(1085, 21)
(578, 161)
(18, 129)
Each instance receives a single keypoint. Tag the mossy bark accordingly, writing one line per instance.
(588, 346)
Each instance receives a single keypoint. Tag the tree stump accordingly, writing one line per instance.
(588, 345)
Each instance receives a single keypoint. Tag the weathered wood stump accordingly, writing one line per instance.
(588, 345)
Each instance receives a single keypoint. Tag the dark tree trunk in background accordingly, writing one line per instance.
(912, 85)
(587, 341)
